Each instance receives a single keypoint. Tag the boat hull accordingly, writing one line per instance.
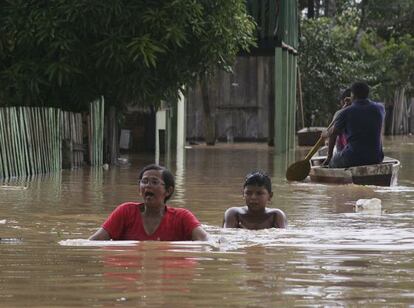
(384, 174)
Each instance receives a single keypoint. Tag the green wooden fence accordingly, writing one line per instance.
(31, 139)
(277, 30)
(286, 76)
(96, 132)
(72, 133)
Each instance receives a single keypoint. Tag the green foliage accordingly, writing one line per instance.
(328, 65)
(391, 62)
(66, 53)
(370, 40)
(387, 45)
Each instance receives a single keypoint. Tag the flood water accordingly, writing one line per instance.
(328, 256)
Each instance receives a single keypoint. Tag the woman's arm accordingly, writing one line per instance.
(199, 234)
(100, 235)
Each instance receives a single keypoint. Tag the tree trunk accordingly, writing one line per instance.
(317, 9)
(330, 8)
(208, 114)
(361, 26)
(311, 9)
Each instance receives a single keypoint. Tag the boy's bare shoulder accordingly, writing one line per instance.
(279, 217)
(232, 216)
(274, 211)
(235, 210)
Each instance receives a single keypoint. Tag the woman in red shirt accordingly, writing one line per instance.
(153, 219)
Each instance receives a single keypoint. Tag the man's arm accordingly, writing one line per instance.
(331, 144)
(331, 133)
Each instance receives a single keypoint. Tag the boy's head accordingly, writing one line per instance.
(360, 90)
(258, 178)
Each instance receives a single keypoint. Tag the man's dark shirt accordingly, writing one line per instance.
(362, 123)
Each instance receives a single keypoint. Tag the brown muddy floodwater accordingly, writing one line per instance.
(328, 255)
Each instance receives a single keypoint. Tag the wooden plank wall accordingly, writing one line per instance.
(240, 102)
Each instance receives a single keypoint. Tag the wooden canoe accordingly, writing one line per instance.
(383, 174)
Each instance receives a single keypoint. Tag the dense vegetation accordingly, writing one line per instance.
(66, 53)
(345, 40)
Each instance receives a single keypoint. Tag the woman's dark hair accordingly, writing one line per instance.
(166, 174)
(258, 178)
(360, 90)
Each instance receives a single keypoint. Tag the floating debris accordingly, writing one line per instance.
(10, 240)
(7, 187)
(368, 205)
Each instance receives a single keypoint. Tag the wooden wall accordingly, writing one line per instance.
(240, 102)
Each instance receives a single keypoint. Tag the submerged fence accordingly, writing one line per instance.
(96, 132)
(31, 139)
(72, 135)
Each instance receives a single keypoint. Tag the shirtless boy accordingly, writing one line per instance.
(257, 193)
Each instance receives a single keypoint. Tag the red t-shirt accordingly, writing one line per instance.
(341, 142)
(125, 223)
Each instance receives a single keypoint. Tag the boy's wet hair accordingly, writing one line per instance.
(166, 175)
(258, 178)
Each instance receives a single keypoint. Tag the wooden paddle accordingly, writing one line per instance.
(300, 170)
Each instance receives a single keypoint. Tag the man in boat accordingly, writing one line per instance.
(361, 122)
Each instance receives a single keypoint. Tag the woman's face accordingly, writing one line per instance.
(256, 197)
(152, 188)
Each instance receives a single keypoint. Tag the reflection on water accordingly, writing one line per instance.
(328, 256)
